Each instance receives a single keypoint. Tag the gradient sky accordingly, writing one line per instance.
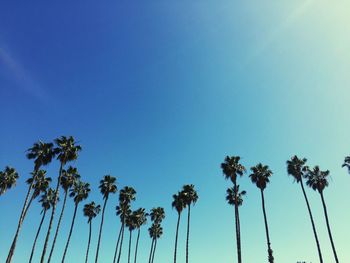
(159, 92)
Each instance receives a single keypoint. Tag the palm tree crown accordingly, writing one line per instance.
(66, 150)
(130, 221)
(296, 167)
(317, 179)
(8, 179)
(80, 191)
(155, 231)
(178, 202)
(260, 175)
(347, 163)
(127, 194)
(232, 168)
(108, 185)
(234, 195)
(91, 210)
(157, 214)
(140, 217)
(42, 153)
(123, 211)
(47, 199)
(40, 182)
(69, 177)
(189, 194)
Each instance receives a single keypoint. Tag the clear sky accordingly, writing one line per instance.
(159, 92)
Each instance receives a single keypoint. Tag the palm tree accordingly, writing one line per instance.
(232, 168)
(40, 185)
(46, 202)
(91, 210)
(179, 204)
(140, 220)
(67, 150)
(126, 195)
(190, 197)
(130, 223)
(297, 169)
(233, 197)
(107, 186)
(79, 192)
(317, 180)
(157, 214)
(260, 177)
(8, 179)
(42, 153)
(347, 163)
(69, 177)
(123, 211)
(155, 232)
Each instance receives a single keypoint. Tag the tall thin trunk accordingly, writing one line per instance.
(121, 244)
(28, 206)
(70, 232)
(58, 226)
(239, 234)
(88, 246)
(151, 252)
(269, 250)
(312, 221)
(130, 236)
(329, 228)
(20, 221)
(154, 250)
(52, 214)
(238, 237)
(117, 245)
(137, 244)
(100, 233)
(36, 236)
(176, 235)
(188, 231)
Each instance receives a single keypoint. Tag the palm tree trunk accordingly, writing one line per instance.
(188, 231)
(29, 204)
(154, 250)
(312, 222)
(36, 237)
(58, 226)
(176, 235)
(137, 244)
(238, 237)
(329, 228)
(130, 236)
(150, 254)
(121, 244)
(100, 233)
(52, 214)
(269, 250)
(88, 247)
(70, 233)
(20, 221)
(117, 245)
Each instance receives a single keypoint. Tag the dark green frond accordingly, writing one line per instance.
(108, 186)
(317, 179)
(8, 179)
(91, 210)
(232, 168)
(260, 175)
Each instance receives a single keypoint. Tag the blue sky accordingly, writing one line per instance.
(158, 93)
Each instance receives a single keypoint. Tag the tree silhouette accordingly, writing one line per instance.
(317, 180)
